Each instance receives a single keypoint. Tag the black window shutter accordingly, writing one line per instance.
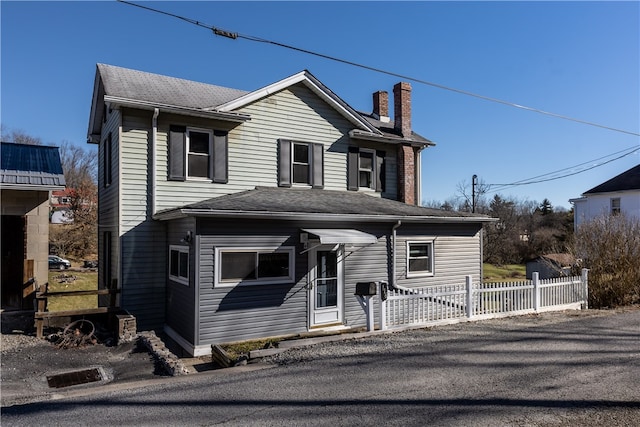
(177, 147)
(220, 163)
(380, 171)
(353, 172)
(317, 166)
(284, 163)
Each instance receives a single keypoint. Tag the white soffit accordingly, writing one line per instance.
(333, 236)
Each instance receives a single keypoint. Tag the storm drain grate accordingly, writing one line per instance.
(74, 378)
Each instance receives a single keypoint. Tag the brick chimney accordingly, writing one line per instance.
(402, 108)
(406, 174)
(381, 106)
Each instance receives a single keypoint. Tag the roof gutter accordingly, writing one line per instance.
(292, 216)
(32, 187)
(356, 134)
(146, 105)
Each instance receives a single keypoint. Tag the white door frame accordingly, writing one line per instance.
(325, 316)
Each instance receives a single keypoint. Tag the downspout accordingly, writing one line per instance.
(154, 139)
(419, 176)
(393, 252)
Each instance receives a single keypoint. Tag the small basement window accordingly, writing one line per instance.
(179, 264)
(420, 258)
(255, 266)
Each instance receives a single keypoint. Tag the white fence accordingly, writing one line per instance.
(449, 303)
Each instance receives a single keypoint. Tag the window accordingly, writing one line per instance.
(199, 148)
(615, 206)
(254, 266)
(179, 264)
(106, 161)
(198, 154)
(300, 163)
(419, 258)
(366, 169)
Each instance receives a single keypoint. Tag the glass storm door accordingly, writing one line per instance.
(326, 288)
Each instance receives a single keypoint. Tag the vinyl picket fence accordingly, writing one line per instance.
(404, 307)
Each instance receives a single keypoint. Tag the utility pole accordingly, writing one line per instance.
(474, 182)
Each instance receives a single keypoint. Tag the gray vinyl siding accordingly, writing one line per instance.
(295, 113)
(143, 241)
(457, 252)
(108, 211)
(181, 299)
(244, 312)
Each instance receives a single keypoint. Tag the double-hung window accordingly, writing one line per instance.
(197, 154)
(366, 169)
(254, 266)
(199, 150)
(179, 264)
(300, 163)
(615, 206)
(420, 258)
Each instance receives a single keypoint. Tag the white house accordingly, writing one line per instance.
(620, 194)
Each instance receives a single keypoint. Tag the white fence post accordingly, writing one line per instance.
(584, 280)
(383, 293)
(469, 289)
(536, 290)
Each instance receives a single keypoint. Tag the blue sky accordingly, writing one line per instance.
(577, 59)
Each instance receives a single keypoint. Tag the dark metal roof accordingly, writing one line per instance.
(314, 202)
(629, 180)
(30, 165)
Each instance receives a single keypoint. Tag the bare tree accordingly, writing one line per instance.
(18, 136)
(471, 196)
(610, 247)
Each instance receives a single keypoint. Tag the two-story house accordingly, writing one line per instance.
(228, 215)
(620, 194)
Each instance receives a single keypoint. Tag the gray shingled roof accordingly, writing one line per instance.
(30, 166)
(158, 89)
(283, 201)
(629, 180)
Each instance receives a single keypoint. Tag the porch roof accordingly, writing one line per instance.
(333, 236)
(315, 204)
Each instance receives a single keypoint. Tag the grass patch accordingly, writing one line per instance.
(504, 273)
(61, 281)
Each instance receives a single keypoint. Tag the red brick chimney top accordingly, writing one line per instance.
(402, 108)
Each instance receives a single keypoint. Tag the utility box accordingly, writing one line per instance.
(366, 288)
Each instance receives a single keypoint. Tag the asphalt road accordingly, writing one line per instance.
(567, 369)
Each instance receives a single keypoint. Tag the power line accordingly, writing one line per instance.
(233, 35)
(535, 180)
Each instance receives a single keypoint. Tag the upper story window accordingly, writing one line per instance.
(300, 163)
(199, 150)
(366, 169)
(615, 206)
(198, 154)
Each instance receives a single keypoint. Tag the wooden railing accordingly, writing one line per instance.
(42, 298)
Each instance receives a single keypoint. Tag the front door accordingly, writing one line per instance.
(326, 287)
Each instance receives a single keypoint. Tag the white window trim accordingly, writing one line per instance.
(615, 210)
(431, 273)
(188, 153)
(179, 279)
(372, 185)
(309, 164)
(218, 282)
